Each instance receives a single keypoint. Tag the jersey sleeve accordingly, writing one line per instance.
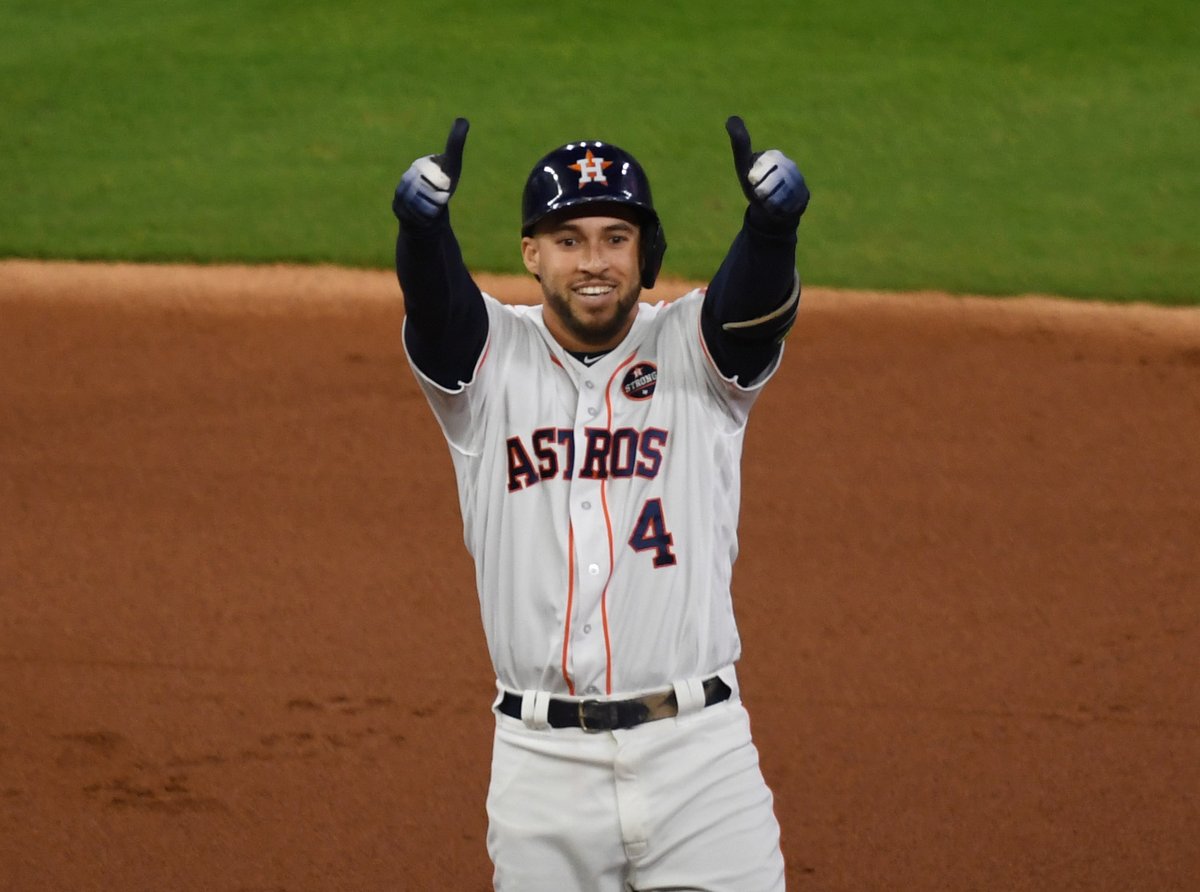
(445, 321)
(731, 399)
(751, 302)
(461, 408)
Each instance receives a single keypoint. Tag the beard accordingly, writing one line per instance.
(596, 329)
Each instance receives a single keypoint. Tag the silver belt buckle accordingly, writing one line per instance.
(583, 716)
(606, 710)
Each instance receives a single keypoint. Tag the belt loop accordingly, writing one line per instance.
(689, 694)
(535, 707)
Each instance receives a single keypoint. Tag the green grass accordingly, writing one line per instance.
(990, 148)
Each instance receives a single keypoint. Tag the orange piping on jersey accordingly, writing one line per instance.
(604, 594)
(704, 347)
(608, 526)
(570, 606)
(554, 359)
(487, 348)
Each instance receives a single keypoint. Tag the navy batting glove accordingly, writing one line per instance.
(770, 179)
(427, 185)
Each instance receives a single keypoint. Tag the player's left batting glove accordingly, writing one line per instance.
(427, 185)
(770, 180)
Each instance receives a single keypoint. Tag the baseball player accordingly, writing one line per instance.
(596, 442)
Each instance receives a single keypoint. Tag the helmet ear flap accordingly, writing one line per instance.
(654, 246)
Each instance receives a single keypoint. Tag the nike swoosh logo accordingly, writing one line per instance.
(592, 360)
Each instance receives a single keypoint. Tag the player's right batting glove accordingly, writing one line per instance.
(770, 180)
(427, 185)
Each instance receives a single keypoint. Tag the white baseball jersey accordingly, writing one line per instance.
(600, 503)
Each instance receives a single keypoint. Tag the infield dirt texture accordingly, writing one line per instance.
(241, 651)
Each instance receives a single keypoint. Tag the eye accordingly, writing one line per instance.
(567, 241)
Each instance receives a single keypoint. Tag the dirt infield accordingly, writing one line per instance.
(240, 647)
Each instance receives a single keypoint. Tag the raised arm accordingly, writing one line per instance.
(446, 322)
(752, 300)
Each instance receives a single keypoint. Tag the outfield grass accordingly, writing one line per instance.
(990, 148)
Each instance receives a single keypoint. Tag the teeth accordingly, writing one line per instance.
(594, 290)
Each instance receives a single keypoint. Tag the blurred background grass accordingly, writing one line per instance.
(1001, 148)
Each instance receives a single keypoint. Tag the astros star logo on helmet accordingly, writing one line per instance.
(591, 168)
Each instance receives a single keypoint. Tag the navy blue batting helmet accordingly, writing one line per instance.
(594, 172)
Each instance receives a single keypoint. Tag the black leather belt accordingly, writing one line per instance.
(613, 715)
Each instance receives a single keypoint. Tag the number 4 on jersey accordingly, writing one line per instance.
(650, 534)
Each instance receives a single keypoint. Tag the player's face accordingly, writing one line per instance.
(590, 270)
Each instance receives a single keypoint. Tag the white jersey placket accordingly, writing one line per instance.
(590, 654)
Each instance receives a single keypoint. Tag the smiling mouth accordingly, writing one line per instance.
(594, 289)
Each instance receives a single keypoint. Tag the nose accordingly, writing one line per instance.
(593, 259)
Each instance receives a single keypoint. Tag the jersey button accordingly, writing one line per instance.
(592, 690)
(588, 384)
(594, 569)
(592, 410)
(587, 505)
(587, 630)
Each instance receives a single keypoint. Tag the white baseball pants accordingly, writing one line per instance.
(676, 804)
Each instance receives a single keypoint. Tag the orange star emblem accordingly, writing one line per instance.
(591, 168)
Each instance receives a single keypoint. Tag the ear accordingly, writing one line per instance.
(530, 254)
